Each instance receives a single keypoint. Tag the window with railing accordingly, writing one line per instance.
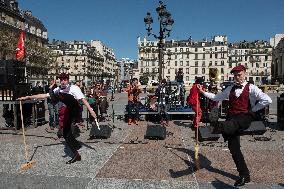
(196, 71)
(196, 56)
(176, 63)
(181, 63)
(196, 63)
(203, 70)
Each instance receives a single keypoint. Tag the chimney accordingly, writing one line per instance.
(28, 13)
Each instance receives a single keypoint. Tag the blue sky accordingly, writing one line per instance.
(118, 23)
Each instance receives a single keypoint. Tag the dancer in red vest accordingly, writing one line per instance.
(245, 100)
(69, 111)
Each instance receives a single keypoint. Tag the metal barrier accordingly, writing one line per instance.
(10, 112)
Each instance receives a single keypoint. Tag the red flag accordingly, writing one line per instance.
(20, 51)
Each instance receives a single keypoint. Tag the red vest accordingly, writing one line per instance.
(239, 104)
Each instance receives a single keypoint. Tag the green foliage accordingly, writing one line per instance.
(144, 78)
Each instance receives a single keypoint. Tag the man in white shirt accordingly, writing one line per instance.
(69, 110)
(244, 101)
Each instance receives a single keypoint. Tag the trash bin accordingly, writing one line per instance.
(280, 110)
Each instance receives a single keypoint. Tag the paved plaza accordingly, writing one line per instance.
(127, 160)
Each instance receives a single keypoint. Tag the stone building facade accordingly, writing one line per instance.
(256, 56)
(12, 22)
(277, 42)
(195, 58)
(84, 61)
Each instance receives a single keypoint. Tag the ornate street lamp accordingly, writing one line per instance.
(166, 23)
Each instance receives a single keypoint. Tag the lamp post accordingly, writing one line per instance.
(165, 23)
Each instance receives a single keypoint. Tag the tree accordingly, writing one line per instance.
(144, 78)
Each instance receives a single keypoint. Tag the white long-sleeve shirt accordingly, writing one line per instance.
(255, 95)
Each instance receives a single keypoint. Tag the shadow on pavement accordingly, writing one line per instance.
(275, 126)
(220, 184)
(29, 135)
(194, 165)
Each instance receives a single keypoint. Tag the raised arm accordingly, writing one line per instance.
(37, 96)
(215, 97)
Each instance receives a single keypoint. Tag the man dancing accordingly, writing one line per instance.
(244, 101)
(69, 110)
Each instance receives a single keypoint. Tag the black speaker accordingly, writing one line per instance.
(103, 133)
(156, 132)
(205, 134)
(255, 128)
(40, 113)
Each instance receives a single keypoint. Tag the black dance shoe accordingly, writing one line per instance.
(77, 157)
(242, 181)
(92, 137)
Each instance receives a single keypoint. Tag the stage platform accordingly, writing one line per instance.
(177, 111)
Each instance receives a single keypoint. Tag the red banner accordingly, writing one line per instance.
(20, 51)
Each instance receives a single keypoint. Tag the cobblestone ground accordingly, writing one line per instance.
(127, 160)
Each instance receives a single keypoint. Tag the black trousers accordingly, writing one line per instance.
(70, 139)
(231, 128)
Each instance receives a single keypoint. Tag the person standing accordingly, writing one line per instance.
(68, 97)
(52, 105)
(244, 101)
(162, 93)
(133, 92)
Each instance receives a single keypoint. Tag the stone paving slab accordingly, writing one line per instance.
(32, 181)
(149, 159)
